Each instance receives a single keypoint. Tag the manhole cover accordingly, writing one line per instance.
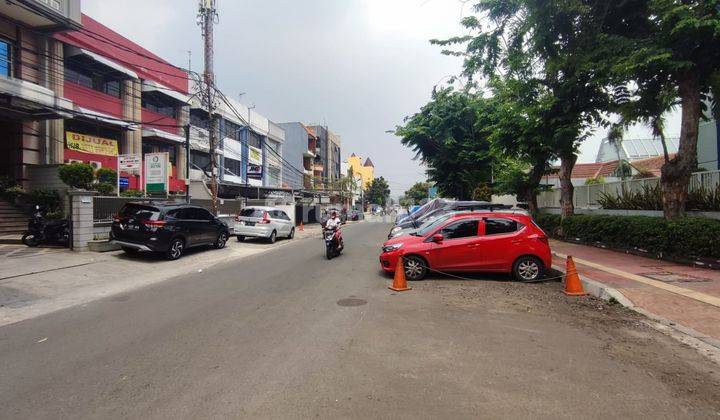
(351, 302)
(668, 277)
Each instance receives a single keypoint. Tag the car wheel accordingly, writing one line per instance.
(292, 233)
(221, 240)
(177, 246)
(30, 240)
(240, 238)
(273, 237)
(128, 250)
(528, 268)
(415, 268)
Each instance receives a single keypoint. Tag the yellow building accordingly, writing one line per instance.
(364, 171)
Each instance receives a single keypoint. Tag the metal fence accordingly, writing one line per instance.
(587, 196)
(105, 207)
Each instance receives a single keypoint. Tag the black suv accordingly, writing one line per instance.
(167, 227)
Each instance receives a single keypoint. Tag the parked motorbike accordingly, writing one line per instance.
(41, 231)
(333, 243)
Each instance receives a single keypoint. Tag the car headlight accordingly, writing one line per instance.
(393, 247)
(395, 229)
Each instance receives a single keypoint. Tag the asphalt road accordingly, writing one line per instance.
(287, 334)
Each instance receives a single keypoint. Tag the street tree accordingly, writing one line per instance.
(449, 135)
(555, 43)
(668, 54)
(378, 191)
(418, 192)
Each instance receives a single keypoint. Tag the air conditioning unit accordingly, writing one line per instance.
(96, 165)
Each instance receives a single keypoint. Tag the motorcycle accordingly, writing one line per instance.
(41, 231)
(333, 243)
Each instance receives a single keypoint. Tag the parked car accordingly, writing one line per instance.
(263, 222)
(502, 242)
(445, 207)
(434, 220)
(169, 228)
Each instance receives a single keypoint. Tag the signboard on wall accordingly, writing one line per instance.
(255, 155)
(157, 172)
(91, 144)
(254, 171)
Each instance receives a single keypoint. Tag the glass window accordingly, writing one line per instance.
(199, 159)
(498, 226)
(153, 104)
(253, 139)
(233, 167)
(250, 212)
(199, 119)
(5, 58)
(112, 88)
(232, 130)
(83, 75)
(74, 76)
(139, 212)
(463, 229)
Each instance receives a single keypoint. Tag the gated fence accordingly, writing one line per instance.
(105, 207)
(587, 196)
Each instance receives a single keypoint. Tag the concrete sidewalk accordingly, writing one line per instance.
(684, 295)
(37, 281)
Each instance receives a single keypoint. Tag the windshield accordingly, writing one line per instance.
(431, 225)
(250, 212)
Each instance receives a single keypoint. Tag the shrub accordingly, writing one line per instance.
(106, 176)
(48, 200)
(131, 193)
(77, 175)
(648, 198)
(12, 193)
(690, 237)
(594, 181)
(104, 188)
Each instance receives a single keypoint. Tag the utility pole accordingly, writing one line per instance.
(207, 17)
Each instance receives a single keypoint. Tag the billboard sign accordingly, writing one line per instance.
(157, 172)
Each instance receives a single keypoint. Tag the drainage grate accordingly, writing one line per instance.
(668, 277)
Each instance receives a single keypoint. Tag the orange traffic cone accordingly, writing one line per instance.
(573, 285)
(302, 227)
(399, 281)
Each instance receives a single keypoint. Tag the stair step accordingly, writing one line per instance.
(4, 231)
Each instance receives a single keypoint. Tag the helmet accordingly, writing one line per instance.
(334, 214)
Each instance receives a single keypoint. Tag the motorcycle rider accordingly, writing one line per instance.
(333, 223)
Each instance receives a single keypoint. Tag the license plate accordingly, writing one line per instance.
(249, 223)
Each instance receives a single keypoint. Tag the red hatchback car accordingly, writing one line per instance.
(501, 242)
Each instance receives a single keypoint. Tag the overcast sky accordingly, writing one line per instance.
(359, 66)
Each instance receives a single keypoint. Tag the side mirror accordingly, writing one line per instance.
(438, 238)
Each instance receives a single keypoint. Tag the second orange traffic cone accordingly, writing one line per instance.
(302, 227)
(573, 285)
(399, 281)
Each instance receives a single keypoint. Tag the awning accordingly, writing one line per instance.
(154, 132)
(73, 51)
(91, 115)
(23, 100)
(152, 86)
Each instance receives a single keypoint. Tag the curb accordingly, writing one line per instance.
(708, 346)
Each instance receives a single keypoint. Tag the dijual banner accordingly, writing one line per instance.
(91, 144)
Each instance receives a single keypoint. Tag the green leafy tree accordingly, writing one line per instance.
(552, 44)
(418, 192)
(449, 135)
(378, 191)
(670, 51)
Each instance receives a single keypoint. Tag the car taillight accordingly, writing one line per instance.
(154, 225)
(266, 219)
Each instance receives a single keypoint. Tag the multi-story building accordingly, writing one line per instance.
(125, 98)
(249, 149)
(327, 159)
(32, 101)
(365, 172)
(299, 151)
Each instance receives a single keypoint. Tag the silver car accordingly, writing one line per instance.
(263, 222)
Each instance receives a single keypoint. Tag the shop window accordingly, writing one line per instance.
(6, 61)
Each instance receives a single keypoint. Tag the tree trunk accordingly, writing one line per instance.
(567, 163)
(675, 174)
